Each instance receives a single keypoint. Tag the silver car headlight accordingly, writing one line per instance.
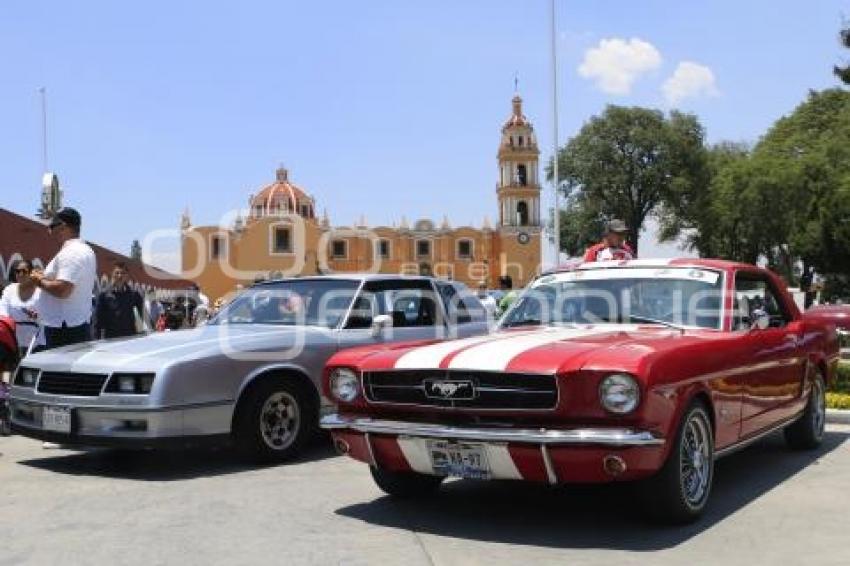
(619, 393)
(343, 382)
(130, 383)
(26, 377)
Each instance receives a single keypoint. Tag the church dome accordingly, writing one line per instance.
(282, 197)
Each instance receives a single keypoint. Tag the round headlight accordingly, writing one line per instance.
(619, 393)
(343, 383)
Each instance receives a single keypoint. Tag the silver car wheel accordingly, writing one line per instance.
(279, 420)
(695, 458)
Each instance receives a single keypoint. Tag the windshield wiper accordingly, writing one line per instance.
(638, 318)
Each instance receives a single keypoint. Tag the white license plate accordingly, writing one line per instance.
(459, 459)
(56, 419)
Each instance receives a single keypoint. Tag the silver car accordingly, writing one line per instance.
(251, 376)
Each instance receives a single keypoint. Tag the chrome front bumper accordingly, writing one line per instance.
(549, 437)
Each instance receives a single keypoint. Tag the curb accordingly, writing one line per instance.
(838, 416)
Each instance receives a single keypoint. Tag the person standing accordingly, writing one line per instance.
(119, 308)
(19, 302)
(487, 301)
(67, 283)
(613, 245)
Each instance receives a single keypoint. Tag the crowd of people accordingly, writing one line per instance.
(57, 306)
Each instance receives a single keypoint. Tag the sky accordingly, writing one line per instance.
(378, 108)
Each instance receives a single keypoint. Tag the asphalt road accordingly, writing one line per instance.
(770, 506)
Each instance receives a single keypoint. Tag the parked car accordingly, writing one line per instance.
(251, 375)
(617, 371)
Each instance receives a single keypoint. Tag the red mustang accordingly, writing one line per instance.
(624, 370)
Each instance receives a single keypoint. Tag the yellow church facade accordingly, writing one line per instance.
(280, 235)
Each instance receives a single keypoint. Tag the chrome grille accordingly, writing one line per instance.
(73, 384)
(462, 389)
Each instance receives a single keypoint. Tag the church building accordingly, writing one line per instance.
(280, 234)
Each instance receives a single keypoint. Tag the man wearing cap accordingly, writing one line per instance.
(613, 245)
(67, 283)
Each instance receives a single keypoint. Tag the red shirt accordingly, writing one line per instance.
(603, 252)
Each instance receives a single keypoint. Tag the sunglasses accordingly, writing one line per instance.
(22, 270)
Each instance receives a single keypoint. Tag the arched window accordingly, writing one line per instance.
(522, 213)
(521, 175)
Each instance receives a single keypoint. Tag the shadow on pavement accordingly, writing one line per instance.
(162, 465)
(595, 516)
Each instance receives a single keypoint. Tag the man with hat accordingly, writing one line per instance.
(67, 283)
(613, 245)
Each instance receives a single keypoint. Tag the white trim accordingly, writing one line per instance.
(389, 242)
(430, 254)
(332, 254)
(222, 236)
(272, 239)
(471, 249)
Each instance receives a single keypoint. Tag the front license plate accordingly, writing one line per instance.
(459, 459)
(56, 419)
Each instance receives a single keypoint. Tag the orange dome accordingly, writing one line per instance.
(280, 197)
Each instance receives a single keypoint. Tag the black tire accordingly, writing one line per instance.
(275, 419)
(806, 433)
(405, 484)
(679, 492)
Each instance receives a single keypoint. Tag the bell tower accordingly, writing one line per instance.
(518, 189)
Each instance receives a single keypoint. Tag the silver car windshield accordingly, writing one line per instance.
(680, 297)
(300, 302)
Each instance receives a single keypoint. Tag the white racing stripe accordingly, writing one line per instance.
(429, 357)
(495, 356)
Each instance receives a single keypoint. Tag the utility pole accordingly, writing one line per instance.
(556, 222)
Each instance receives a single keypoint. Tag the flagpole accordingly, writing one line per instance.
(556, 222)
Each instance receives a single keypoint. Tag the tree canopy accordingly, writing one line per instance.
(625, 164)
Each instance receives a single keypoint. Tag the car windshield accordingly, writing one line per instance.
(297, 302)
(686, 297)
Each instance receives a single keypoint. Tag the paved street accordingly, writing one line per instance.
(100, 507)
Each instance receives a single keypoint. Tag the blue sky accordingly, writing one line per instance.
(379, 108)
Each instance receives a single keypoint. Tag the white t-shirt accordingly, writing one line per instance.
(22, 313)
(75, 263)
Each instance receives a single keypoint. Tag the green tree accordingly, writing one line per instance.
(843, 73)
(626, 162)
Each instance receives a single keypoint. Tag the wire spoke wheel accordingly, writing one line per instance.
(695, 453)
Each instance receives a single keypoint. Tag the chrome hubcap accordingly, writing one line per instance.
(279, 420)
(819, 412)
(695, 458)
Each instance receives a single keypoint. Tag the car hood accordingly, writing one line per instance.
(152, 351)
(543, 350)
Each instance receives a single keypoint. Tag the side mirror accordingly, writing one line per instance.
(381, 322)
(761, 320)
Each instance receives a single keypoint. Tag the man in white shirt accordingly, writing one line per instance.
(67, 283)
(488, 301)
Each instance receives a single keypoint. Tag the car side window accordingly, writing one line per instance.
(409, 303)
(362, 311)
(755, 296)
(455, 306)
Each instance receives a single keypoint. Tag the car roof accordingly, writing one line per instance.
(357, 277)
(716, 264)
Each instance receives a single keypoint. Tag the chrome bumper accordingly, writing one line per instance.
(549, 437)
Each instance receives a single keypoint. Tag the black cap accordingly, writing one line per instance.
(67, 215)
(617, 227)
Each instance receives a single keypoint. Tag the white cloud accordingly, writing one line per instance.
(615, 64)
(689, 80)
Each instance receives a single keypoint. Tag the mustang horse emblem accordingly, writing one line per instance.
(449, 389)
